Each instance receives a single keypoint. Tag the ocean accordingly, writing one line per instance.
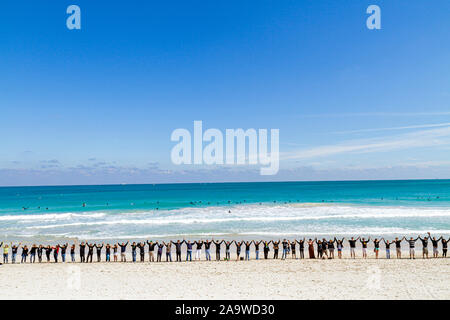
(225, 210)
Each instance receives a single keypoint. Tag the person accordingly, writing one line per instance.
(207, 247)
(257, 243)
(398, 247)
(424, 246)
(331, 248)
(116, 252)
(168, 251)
(388, 248)
(133, 251)
(324, 248)
(63, 251)
(14, 250)
(247, 250)
(141, 246)
(352, 243)
(293, 245)
(301, 244)
(55, 253)
(159, 252)
(319, 248)
(285, 245)
(188, 250)
(412, 243)
(108, 252)
(364, 243)
(311, 249)
(218, 244)
(82, 251)
(24, 254)
(33, 250)
(72, 252)
(227, 251)
(90, 252)
(151, 249)
(48, 251)
(99, 251)
(376, 247)
(123, 251)
(444, 246)
(238, 249)
(435, 243)
(177, 249)
(40, 250)
(275, 245)
(5, 252)
(340, 246)
(198, 249)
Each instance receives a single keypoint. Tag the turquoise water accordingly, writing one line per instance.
(227, 209)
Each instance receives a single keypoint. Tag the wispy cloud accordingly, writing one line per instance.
(420, 126)
(376, 114)
(418, 139)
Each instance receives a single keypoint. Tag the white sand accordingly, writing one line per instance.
(263, 279)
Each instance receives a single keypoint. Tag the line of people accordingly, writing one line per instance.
(321, 249)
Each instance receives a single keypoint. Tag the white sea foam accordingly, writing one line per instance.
(264, 220)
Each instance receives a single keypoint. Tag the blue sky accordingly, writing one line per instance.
(98, 105)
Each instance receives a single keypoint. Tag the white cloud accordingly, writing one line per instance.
(418, 139)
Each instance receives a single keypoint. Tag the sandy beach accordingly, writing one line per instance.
(263, 279)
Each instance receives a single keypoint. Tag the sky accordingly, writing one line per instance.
(98, 105)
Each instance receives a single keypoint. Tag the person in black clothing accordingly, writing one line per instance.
(218, 244)
(141, 246)
(178, 245)
(151, 249)
(376, 246)
(444, 247)
(63, 251)
(257, 243)
(275, 248)
(247, 250)
(82, 251)
(198, 250)
(364, 243)
(133, 251)
(266, 249)
(435, 243)
(159, 253)
(301, 249)
(48, 250)
(99, 251)
(227, 250)
(398, 247)
(123, 251)
(293, 245)
(33, 251)
(39, 252)
(90, 252)
(388, 248)
(352, 243)
(238, 248)
(108, 253)
(424, 246)
(24, 254)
